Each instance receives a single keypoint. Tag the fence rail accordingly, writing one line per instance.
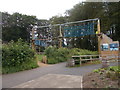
(103, 59)
(86, 58)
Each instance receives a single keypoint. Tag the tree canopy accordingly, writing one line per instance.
(17, 25)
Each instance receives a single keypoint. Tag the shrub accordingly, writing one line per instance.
(96, 70)
(17, 56)
(115, 68)
(83, 52)
(55, 55)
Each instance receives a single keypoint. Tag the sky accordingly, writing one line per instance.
(42, 9)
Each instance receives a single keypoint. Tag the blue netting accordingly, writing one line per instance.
(77, 31)
(40, 43)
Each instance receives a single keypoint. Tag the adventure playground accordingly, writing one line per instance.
(108, 50)
(80, 49)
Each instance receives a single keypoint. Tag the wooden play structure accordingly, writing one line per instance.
(107, 48)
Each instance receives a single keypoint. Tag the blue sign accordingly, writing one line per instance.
(104, 47)
(77, 31)
(114, 47)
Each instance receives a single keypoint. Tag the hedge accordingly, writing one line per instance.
(17, 56)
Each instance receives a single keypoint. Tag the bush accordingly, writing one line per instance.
(55, 55)
(83, 52)
(17, 56)
(96, 71)
(115, 68)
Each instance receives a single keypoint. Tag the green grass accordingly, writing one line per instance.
(22, 67)
(40, 56)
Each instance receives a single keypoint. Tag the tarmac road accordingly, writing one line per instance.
(12, 80)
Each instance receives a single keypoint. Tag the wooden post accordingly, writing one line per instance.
(98, 29)
(91, 59)
(33, 45)
(60, 37)
(80, 60)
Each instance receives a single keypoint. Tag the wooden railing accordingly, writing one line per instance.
(103, 59)
(86, 58)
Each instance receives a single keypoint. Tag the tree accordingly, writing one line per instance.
(107, 12)
(17, 26)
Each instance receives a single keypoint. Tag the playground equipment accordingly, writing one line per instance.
(106, 46)
(66, 31)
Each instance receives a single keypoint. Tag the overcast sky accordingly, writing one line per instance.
(43, 9)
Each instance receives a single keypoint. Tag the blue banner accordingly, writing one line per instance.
(77, 31)
(40, 43)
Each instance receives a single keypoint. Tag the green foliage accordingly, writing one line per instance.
(18, 25)
(17, 56)
(77, 51)
(58, 20)
(55, 55)
(96, 70)
(107, 12)
(40, 57)
(112, 72)
(115, 68)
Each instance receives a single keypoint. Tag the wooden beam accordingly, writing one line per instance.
(99, 39)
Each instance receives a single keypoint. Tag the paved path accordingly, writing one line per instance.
(53, 81)
(11, 80)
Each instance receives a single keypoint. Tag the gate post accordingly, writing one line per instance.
(60, 37)
(98, 30)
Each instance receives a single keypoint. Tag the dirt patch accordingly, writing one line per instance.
(42, 64)
(97, 80)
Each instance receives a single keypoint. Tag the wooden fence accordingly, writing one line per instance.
(86, 58)
(96, 57)
(103, 59)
